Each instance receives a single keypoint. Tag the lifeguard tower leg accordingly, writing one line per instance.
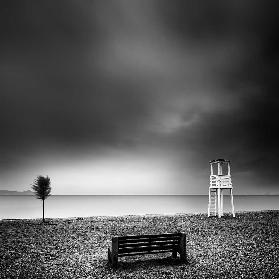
(232, 203)
(215, 203)
(219, 202)
(209, 203)
(222, 202)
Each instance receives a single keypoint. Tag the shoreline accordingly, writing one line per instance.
(226, 215)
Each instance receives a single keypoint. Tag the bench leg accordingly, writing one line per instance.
(109, 257)
(114, 261)
(174, 254)
(114, 253)
(182, 248)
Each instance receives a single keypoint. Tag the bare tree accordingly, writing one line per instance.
(42, 189)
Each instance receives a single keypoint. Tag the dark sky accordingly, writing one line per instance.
(137, 96)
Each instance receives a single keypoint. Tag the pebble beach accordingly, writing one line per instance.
(246, 246)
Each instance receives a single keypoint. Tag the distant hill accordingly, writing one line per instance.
(15, 193)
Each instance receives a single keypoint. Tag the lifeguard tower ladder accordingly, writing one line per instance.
(218, 183)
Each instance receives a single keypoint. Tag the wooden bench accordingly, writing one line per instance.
(147, 244)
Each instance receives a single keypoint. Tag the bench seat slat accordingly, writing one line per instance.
(143, 253)
(131, 240)
(147, 243)
(149, 237)
(146, 248)
(171, 235)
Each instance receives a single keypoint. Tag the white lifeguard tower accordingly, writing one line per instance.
(220, 180)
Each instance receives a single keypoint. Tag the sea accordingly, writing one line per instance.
(58, 206)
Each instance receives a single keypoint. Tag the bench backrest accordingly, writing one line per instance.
(146, 244)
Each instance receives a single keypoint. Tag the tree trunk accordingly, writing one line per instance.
(43, 210)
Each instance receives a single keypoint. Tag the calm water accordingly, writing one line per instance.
(27, 207)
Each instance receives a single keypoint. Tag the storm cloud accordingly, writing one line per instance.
(159, 86)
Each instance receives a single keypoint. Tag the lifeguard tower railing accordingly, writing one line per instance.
(217, 181)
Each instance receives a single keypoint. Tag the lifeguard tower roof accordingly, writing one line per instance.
(219, 160)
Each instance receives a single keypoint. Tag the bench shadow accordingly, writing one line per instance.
(135, 263)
